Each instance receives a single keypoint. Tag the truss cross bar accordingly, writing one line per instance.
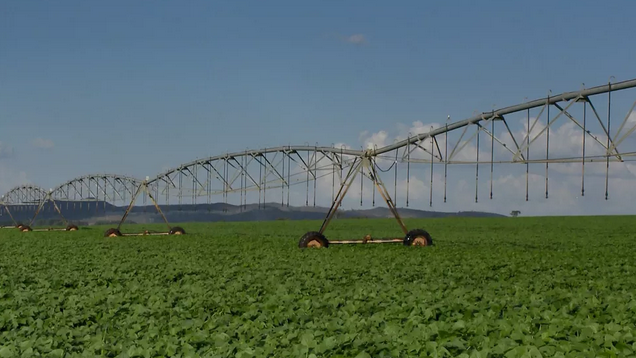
(103, 190)
(514, 140)
(307, 166)
(88, 187)
(194, 177)
(598, 118)
(452, 154)
(439, 151)
(567, 114)
(621, 139)
(221, 176)
(525, 138)
(550, 123)
(465, 143)
(246, 172)
(494, 137)
(512, 109)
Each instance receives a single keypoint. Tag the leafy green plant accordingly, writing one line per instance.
(524, 287)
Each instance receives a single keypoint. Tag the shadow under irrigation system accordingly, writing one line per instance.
(233, 167)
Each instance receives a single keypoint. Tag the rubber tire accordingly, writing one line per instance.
(26, 228)
(112, 231)
(177, 229)
(411, 235)
(72, 227)
(311, 236)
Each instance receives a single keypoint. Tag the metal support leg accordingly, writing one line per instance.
(6, 208)
(342, 192)
(385, 195)
(157, 207)
(37, 211)
(132, 202)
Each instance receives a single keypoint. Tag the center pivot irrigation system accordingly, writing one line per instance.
(586, 139)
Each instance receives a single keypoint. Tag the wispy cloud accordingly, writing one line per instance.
(10, 177)
(43, 143)
(356, 39)
(6, 151)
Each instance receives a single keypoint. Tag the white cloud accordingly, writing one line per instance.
(357, 39)
(632, 118)
(375, 140)
(42, 143)
(342, 145)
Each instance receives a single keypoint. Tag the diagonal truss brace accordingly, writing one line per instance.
(6, 208)
(49, 197)
(143, 187)
(587, 132)
(358, 167)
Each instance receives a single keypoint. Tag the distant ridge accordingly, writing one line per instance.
(91, 213)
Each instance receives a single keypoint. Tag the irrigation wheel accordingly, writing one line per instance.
(72, 228)
(313, 239)
(177, 231)
(19, 225)
(112, 232)
(25, 228)
(418, 237)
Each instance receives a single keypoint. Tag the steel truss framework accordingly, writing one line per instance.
(91, 193)
(280, 174)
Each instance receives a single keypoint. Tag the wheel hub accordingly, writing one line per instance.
(420, 241)
(314, 243)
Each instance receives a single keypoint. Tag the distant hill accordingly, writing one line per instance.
(90, 213)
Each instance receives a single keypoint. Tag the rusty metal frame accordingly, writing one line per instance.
(143, 188)
(48, 198)
(366, 162)
(6, 208)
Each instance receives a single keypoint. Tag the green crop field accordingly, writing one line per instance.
(513, 287)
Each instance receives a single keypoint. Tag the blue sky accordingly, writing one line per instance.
(136, 87)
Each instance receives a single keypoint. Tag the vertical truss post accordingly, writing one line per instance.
(445, 157)
(264, 155)
(547, 144)
(315, 171)
(282, 185)
(583, 150)
(307, 180)
(492, 152)
(430, 203)
(528, 154)
(408, 170)
(373, 188)
(609, 108)
(477, 167)
(395, 179)
(361, 187)
(288, 174)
